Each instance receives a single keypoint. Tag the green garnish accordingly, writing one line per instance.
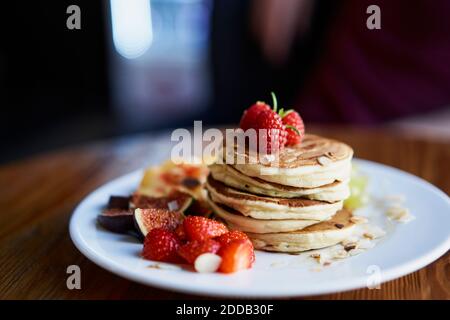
(274, 101)
(293, 128)
(283, 113)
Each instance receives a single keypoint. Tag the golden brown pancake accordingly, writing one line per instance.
(236, 220)
(229, 192)
(323, 234)
(307, 152)
(263, 207)
(317, 161)
(227, 174)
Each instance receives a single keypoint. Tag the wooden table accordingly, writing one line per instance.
(38, 195)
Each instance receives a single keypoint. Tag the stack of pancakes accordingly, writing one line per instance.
(293, 206)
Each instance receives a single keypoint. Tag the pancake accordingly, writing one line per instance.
(262, 207)
(320, 235)
(316, 162)
(232, 177)
(235, 220)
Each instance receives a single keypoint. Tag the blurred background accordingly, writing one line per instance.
(151, 65)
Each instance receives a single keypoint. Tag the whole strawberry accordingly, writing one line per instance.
(295, 128)
(201, 228)
(249, 117)
(271, 132)
(161, 245)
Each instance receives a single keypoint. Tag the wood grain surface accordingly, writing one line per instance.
(39, 194)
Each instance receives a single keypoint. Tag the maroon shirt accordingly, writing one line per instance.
(367, 76)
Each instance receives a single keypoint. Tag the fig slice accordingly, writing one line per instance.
(118, 202)
(117, 220)
(149, 218)
(175, 201)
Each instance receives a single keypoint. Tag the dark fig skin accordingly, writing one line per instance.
(117, 220)
(140, 235)
(183, 200)
(119, 202)
(119, 216)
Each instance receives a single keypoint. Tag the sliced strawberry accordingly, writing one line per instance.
(161, 245)
(233, 235)
(201, 228)
(179, 232)
(191, 250)
(236, 255)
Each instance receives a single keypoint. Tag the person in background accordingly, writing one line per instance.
(346, 73)
(362, 75)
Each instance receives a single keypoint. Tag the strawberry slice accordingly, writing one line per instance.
(236, 255)
(191, 250)
(201, 228)
(233, 235)
(161, 245)
(179, 232)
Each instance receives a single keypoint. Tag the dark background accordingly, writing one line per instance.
(53, 80)
(56, 88)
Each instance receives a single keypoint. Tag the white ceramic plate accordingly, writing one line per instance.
(405, 248)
